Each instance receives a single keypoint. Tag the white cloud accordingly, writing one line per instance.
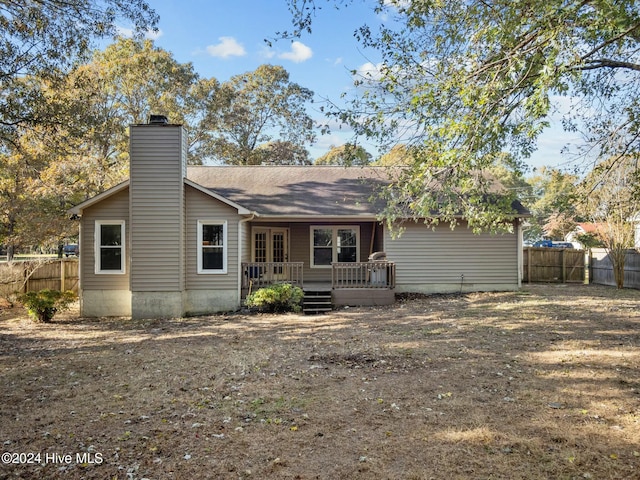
(228, 47)
(399, 4)
(369, 72)
(299, 53)
(128, 33)
(151, 35)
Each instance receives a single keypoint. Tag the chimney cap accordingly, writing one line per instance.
(158, 120)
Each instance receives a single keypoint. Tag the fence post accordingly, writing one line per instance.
(63, 267)
(25, 274)
(587, 266)
(564, 265)
(529, 265)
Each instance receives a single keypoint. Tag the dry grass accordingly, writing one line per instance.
(532, 385)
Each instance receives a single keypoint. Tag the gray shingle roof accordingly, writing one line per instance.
(329, 191)
(295, 190)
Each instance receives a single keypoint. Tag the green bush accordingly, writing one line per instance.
(43, 305)
(281, 297)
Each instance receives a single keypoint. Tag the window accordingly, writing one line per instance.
(334, 244)
(212, 246)
(109, 243)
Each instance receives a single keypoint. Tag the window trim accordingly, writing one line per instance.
(98, 246)
(334, 236)
(199, 246)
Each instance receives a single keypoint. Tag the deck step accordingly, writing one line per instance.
(317, 301)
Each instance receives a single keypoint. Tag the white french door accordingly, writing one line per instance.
(271, 245)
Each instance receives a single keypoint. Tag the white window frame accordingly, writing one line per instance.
(98, 247)
(334, 242)
(200, 246)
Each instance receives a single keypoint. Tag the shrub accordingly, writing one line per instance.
(43, 305)
(281, 297)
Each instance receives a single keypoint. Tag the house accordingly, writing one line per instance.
(584, 228)
(177, 240)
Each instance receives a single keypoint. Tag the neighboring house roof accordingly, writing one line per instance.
(582, 228)
(296, 190)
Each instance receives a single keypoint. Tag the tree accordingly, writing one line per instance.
(612, 200)
(464, 80)
(128, 81)
(553, 204)
(346, 155)
(264, 105)
(45, 38)
(399, 154)
(31, 200)
(280, 152)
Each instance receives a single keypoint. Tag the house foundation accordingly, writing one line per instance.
(157, 305)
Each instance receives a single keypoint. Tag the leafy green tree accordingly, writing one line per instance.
(45, 38)
(611, 193)
(554, 204)
(399, 154)
(130, 80)
(281, 152)
(31, 202)
(346, 155)
(467, 79)
(264, 106)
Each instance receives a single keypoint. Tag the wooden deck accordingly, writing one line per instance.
(352, 283)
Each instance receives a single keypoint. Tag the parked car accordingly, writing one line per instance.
(562, 245)
(70, 250)
(543, 243)
(552, 244)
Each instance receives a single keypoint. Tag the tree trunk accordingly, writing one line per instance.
(617, 256)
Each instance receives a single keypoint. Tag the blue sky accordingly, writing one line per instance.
(223, 38)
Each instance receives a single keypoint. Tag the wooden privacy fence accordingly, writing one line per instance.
(562, 265)
(30, 276)
(602, 268)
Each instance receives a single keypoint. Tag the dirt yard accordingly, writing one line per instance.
(539, 384)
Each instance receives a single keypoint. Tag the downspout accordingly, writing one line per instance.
(240, 225)
(520, 243)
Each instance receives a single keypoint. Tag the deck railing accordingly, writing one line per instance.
(260, 274)
(380, 274)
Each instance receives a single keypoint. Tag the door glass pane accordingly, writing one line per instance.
(260, 241)
(278, 247)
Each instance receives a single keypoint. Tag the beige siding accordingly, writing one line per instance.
(245, 239)
(425, 257)
(157, 207)
(202, 207)
(114, 208)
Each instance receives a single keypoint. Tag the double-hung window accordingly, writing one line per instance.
(334, 244)
(212, 246)
(109, 247)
